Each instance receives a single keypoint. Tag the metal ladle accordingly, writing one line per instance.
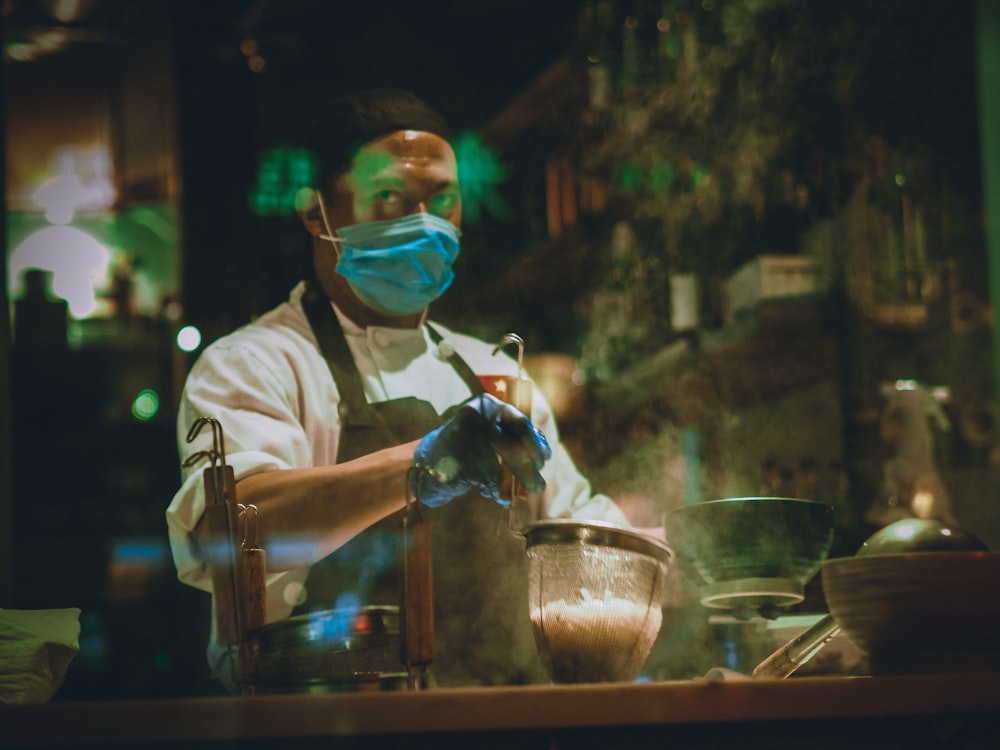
(518, 392)
(907, 535)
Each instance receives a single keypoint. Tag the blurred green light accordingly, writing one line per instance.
(282, 172)
(662, 177)
(479, 174)
(146, 405)
(188, 338)
(672, 45)
(630, 177)
(701, 175)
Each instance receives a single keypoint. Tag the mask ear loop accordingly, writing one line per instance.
(329, 236)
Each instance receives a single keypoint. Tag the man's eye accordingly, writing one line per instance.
(442, 204)
(388, 197)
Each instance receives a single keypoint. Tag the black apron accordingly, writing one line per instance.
(482, 634)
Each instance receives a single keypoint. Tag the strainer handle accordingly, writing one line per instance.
(783, 662)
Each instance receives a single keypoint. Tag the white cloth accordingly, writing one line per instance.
(269, 387)
(36, 648)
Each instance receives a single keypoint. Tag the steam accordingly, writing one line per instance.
(482, 632)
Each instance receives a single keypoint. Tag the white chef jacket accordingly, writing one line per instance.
(270, 389)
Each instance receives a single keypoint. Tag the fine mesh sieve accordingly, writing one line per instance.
(595, 598)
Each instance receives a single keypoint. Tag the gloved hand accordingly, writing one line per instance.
(465, 453)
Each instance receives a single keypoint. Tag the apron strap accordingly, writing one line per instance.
(460, 365)
(354, 407)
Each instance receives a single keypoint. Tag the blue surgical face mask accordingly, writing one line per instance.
(398, 266)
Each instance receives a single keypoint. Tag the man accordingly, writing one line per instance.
(330, 399)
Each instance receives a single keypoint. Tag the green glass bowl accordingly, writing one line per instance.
(750, 553)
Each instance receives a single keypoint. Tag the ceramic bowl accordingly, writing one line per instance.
(750, 553)
(919, 612)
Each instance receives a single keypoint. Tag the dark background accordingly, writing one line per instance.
(89, 483)
(467, 59)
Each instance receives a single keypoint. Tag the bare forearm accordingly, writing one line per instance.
(305, 514)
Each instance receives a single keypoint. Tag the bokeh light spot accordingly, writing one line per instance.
(630, 177)
(146, 405)
(282, 172)
(479, 175)
(662, 177)
(188, 338)
(701, 175)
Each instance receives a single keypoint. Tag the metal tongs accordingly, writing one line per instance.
(220, 521)
(238, 582)
(517, 391)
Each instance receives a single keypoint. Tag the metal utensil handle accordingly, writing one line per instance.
(253, 588)
(416, 612)
(253, 572)
(783, 662)
(220, 523)
(517, 391)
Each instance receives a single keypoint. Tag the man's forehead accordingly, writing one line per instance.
(399, 149)
(371, 164)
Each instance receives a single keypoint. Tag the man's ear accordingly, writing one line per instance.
(307, 207)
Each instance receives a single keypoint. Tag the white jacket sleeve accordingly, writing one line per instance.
(261, 430)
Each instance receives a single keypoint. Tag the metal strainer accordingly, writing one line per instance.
(595, 598)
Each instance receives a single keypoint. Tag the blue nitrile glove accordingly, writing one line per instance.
(465, 453)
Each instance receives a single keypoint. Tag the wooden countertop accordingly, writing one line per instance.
(500, 709)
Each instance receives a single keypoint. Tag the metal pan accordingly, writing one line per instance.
(339, 650)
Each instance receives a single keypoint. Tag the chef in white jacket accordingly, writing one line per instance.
(327, 401)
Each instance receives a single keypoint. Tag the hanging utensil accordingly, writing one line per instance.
(253, 570)
(220, 521)
(253, 587)
(517, 391)
(416, 611)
